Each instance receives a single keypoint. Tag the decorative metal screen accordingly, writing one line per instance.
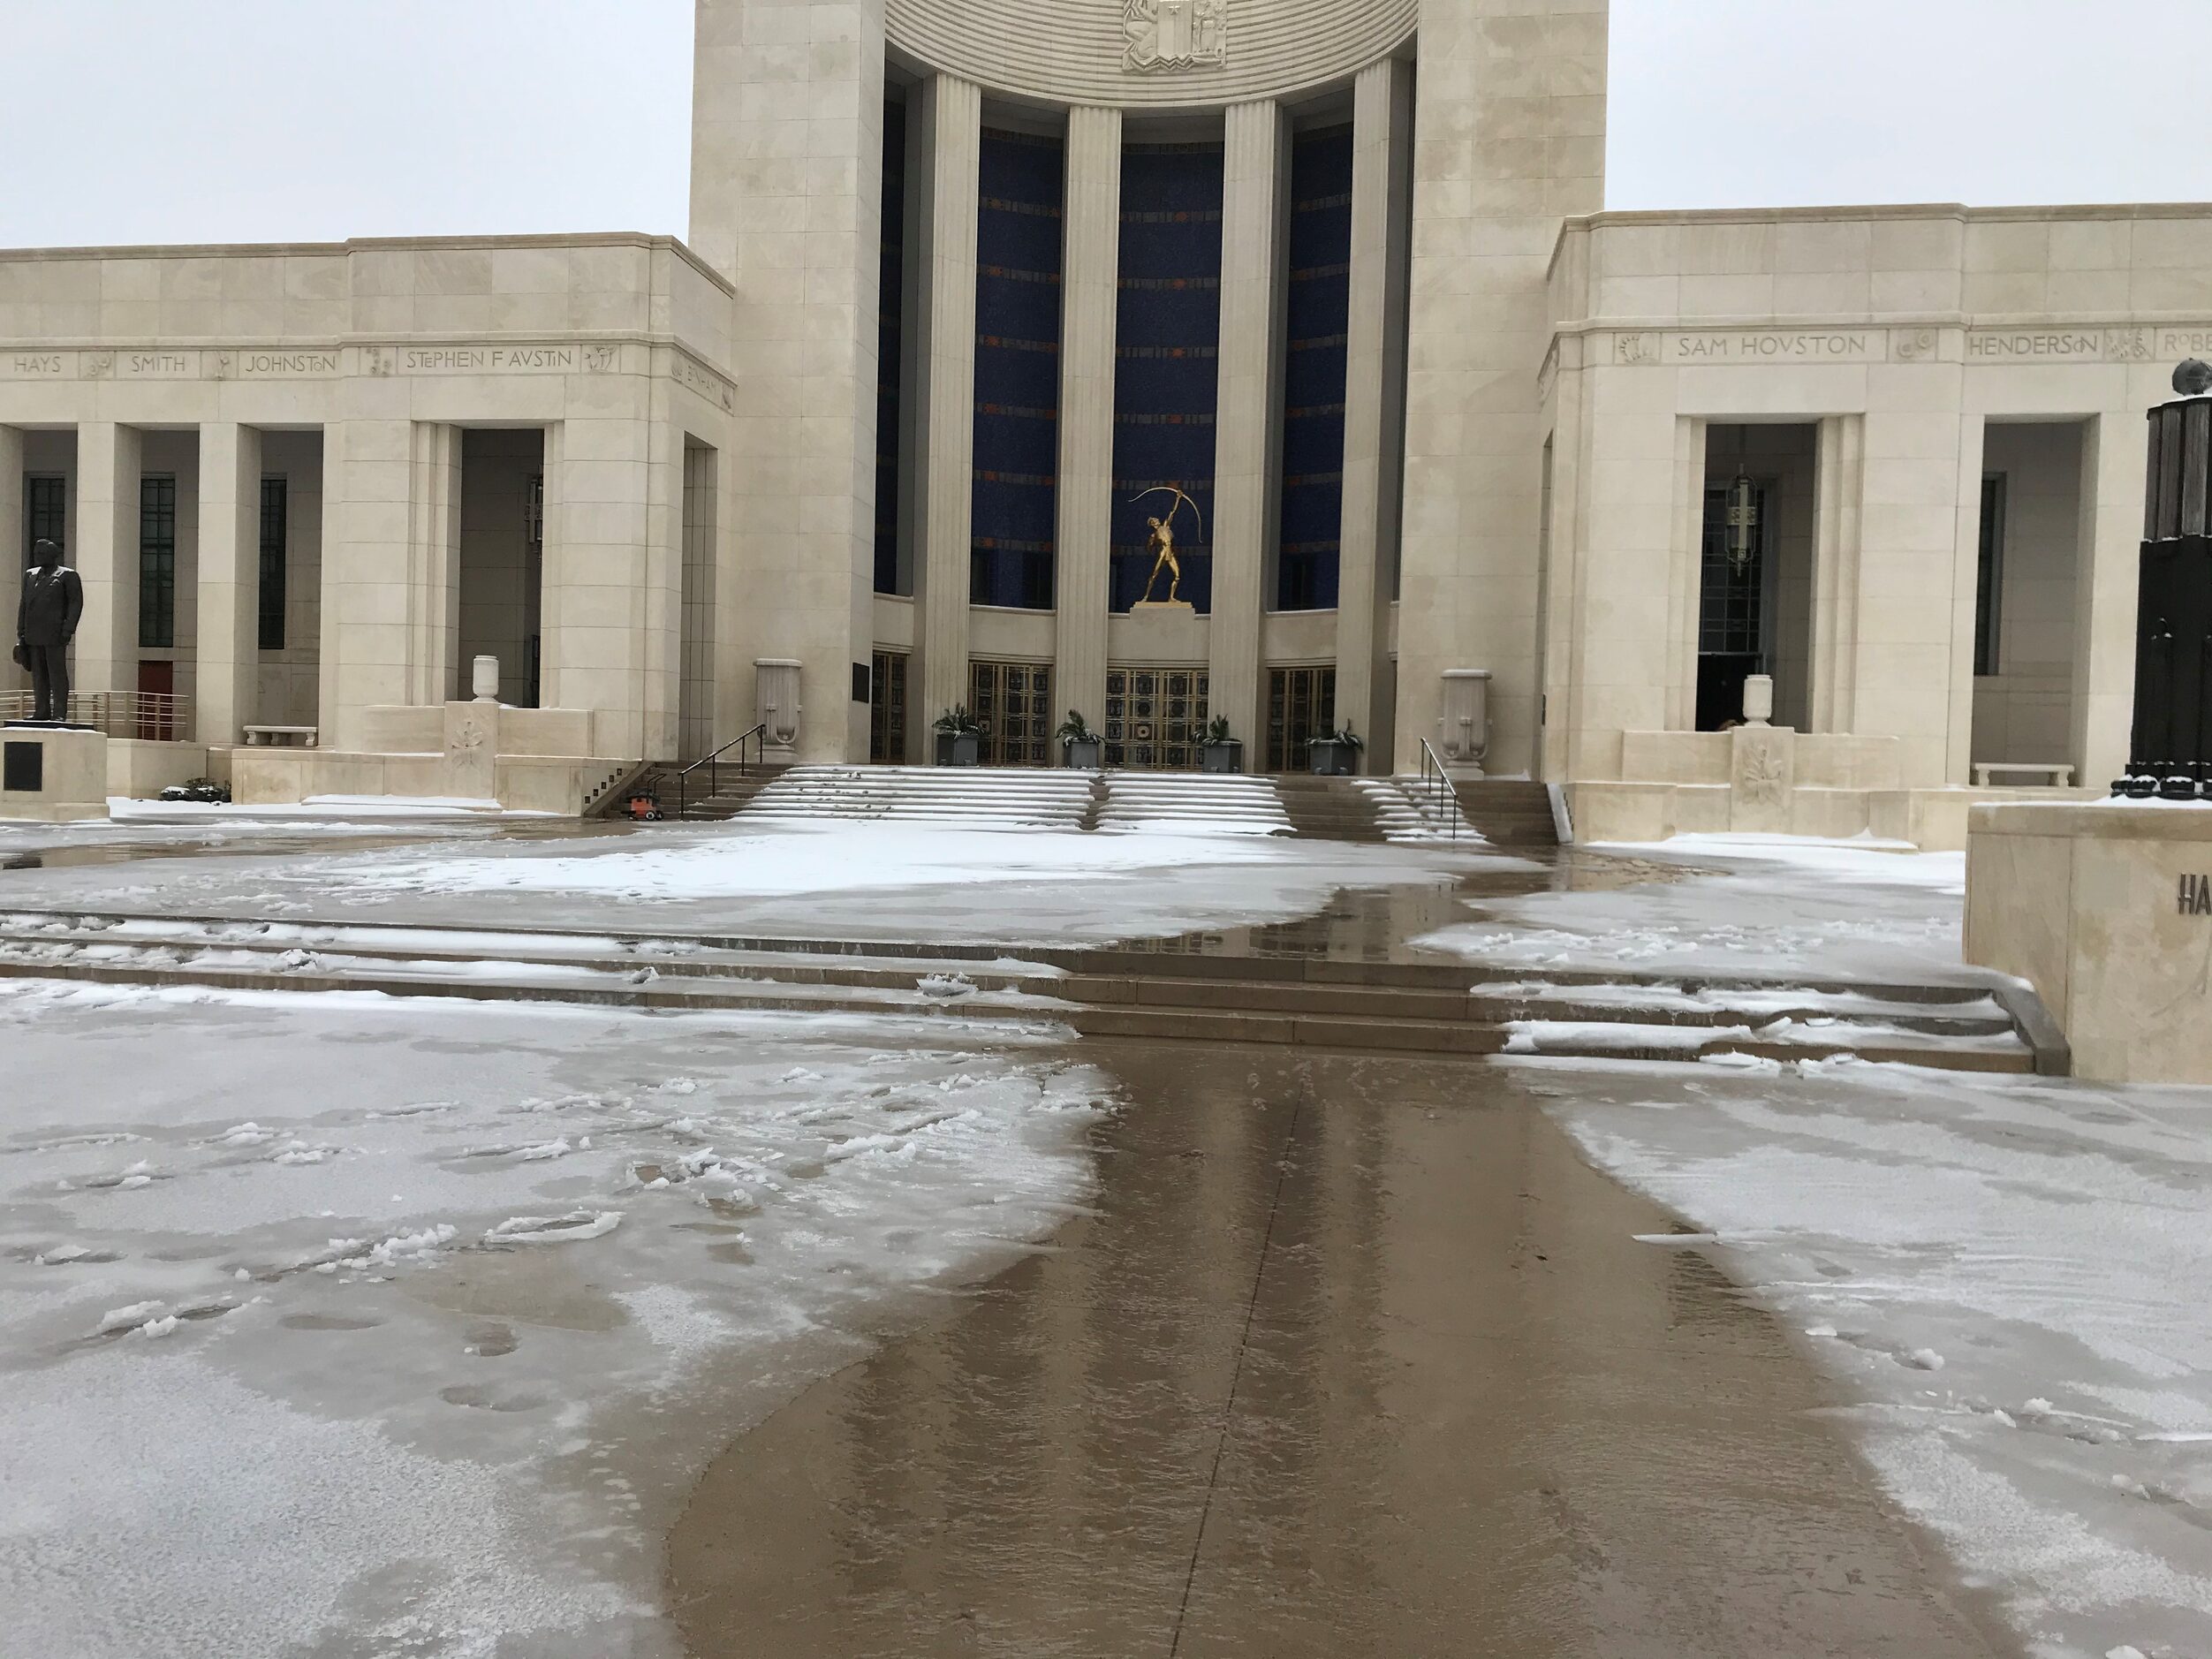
(1731, 619)
(886, 709)
(1155, 717)
(1013, 703)
(1301, 706)
(157, 562)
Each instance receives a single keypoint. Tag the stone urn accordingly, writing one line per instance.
(1463, 727)
(776, 702)
(483, 679)
(1758, 699)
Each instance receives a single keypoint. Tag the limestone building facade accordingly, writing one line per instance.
(974, 290)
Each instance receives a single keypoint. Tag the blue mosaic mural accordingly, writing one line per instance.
(1316, 310)
(889, 346)
(1167, 354)
(1017, 372)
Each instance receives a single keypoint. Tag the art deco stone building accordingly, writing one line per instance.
(975, 288)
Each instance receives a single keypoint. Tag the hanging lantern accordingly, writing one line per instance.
(1743, 523)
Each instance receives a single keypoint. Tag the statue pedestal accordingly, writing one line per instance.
(51, 773)
(1169, 606)
(2106, 908)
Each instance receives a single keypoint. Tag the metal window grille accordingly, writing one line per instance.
(46, 509)
(157, 562)
(276, 506)
(1731, 602)
(533, 511)
(1301, 706)
(886, 709)
(1156, 717)
(1988, 576)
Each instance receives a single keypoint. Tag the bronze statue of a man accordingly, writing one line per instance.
(1162, 544)
(46, 617)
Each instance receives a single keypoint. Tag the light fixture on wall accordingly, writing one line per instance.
(1743, 511)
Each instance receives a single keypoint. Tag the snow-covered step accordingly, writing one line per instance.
(1213, 803)
(1409, 811)
(1014, 798)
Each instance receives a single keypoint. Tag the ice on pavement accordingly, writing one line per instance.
(858, 879)
(1741, 904)
(441, 1378)
(2010, 1272)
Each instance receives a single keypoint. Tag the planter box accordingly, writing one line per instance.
(957, 751)
(1221, 757)
(1084, 754)
(1330, 759)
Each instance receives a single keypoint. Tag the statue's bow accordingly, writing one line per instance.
(1181, 500)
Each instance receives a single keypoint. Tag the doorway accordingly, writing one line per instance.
(1013, 703)
(1301, 706)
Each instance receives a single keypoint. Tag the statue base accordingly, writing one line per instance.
(51, 773)
(1173, 607)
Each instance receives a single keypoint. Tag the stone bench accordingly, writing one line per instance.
(2056, 776)
(280, 737)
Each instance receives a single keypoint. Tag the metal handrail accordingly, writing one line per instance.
(1440, 789)
(713, 763)
(157, 716)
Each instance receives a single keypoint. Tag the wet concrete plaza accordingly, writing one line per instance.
(1347, 1357)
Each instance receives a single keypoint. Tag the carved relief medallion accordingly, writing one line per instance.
(1175, 33)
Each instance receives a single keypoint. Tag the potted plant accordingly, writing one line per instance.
(1217, 751)
(960, 736)
(1336, 754)
(1080, 746)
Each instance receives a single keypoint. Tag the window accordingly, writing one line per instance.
(46, 502)
(275, 503)
(1731, 602)
(1988, 575)
(157, 562)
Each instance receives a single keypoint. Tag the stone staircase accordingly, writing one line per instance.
(1508, 811)
(1029, 798)
(1428, 1008)
(1191, 803)
(1406, 811)
(1329, 808)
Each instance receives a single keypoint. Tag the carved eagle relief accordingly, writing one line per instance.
(1176, 33)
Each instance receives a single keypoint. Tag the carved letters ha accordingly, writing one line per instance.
(1176, 33)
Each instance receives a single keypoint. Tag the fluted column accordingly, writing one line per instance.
(1083, 537)
(952, 124)
(434, 549)
(1254, 198)
(107, 557)
(228, 644)
(1374, 379)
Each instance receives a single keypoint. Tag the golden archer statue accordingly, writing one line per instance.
(1162, 544)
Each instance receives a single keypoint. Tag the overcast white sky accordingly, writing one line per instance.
(264, 120)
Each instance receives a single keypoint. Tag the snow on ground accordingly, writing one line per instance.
(1757, 904)
(2010, 1273)
(845, 880)
(376, 1325)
